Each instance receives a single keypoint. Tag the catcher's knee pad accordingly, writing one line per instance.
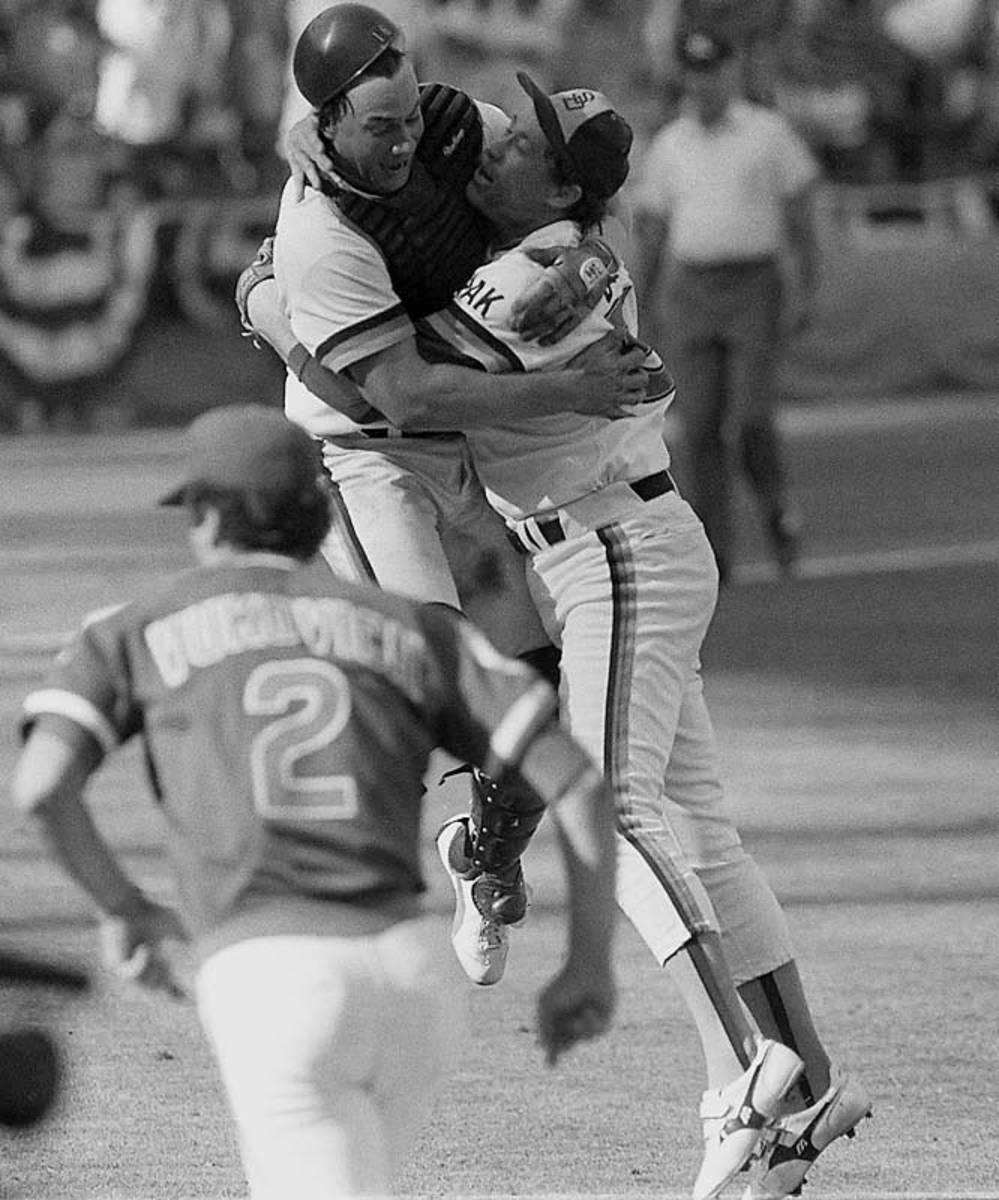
(504, 817)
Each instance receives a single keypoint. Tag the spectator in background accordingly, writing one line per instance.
(947, 51)
(75, 255)
(724, 192)
(751, 27)
(836, 74)
(165, 94)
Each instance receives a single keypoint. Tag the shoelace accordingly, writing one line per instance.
(490, 935)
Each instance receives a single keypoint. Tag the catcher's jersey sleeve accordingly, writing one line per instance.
(287, 733)
(336, 288)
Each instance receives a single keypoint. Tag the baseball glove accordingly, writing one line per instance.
(261, 268)
(573, 281)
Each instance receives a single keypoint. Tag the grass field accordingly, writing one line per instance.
(857, 708)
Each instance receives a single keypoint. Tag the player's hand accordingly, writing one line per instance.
(574, 278)
(577, 1005)
(134, 947)
(613, 376)
(306, 154)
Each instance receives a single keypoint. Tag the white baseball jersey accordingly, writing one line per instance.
(545, 463)
(411, 514)
(335, 284)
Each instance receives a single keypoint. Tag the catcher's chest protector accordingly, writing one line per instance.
(432, 239)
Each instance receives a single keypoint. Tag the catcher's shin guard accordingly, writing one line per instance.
(504, 817)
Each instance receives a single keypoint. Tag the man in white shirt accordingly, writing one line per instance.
(724, 196)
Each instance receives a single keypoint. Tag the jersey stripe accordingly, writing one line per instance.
(621, 669)
(473, 340)
(365, 338)
(77, 709)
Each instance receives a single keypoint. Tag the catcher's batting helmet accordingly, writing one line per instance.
(337, 46)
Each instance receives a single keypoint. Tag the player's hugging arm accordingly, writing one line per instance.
(414, 394)
(262, 315)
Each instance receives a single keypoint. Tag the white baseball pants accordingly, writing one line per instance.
(630, 603)
(411, 516)
(330, 1050)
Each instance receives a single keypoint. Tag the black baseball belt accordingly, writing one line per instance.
(551, 531)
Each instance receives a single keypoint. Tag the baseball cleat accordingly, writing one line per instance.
(479, 936)
(736, 1116)
(795, 1141)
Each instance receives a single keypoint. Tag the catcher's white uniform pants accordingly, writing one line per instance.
(330, 1050)
(411, 516)
(630, 603)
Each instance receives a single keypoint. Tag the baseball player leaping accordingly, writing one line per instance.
(385, 236)
(625, 581)
(288, 719)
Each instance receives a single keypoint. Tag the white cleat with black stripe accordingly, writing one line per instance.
(795, 1141)
(736, 1116)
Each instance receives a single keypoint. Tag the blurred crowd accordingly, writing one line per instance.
(138, 161)
(884, 90)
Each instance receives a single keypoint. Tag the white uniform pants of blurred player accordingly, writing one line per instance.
(630, 603)
(330, 1050)
(411, 516)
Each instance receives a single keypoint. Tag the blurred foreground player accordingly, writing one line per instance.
(288, 719)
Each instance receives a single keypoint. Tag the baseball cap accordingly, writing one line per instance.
(589, 138)
(248, 448)
(700, 49)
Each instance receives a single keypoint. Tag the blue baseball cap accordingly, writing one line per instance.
(248, 448)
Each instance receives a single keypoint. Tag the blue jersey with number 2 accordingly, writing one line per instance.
(288, 727)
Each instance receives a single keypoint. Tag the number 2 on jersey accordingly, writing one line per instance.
(310, 702)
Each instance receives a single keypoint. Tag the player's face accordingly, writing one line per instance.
(516, 182)
(378, 137)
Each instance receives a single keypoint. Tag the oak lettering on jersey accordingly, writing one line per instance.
(479, 296)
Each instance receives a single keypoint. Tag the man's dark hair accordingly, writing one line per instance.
(249, 520)
(385, 66)
(589, 210)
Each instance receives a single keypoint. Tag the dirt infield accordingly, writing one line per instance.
(857, 712)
